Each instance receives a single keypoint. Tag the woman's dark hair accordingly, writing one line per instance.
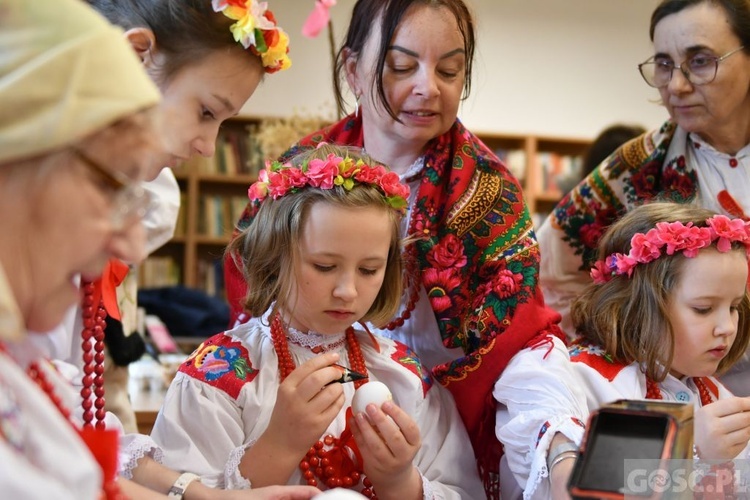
(738, 14)
(185, 30)
(606, 143)
(391, 12)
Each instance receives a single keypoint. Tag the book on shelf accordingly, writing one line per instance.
(159, 271)
(219, 213)
(237, 152)
(180, 228)
(554, 167)
(515, 160)
(211, 276)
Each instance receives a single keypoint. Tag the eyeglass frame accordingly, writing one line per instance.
(686, 72)
(131, 200)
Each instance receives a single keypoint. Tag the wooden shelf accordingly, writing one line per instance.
(533, 160)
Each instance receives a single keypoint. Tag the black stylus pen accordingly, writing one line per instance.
(347, 375)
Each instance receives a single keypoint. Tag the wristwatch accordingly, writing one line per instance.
(179, 486)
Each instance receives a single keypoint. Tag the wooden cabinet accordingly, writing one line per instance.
(215, 192)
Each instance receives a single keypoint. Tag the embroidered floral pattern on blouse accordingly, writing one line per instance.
(221, 362)
(545, 427)
(407, 358)
(596, 357)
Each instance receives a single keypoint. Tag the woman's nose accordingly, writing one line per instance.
(426, 84)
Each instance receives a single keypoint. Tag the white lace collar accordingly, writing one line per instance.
(316, 342)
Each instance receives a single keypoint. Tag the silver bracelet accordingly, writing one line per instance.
(559, 450)
(559, 458)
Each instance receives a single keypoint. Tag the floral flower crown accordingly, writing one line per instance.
(256, 30)
(670, 237)
(279, 179)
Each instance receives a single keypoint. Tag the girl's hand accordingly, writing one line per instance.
(306, 405)
(722, 429)
(388, 447)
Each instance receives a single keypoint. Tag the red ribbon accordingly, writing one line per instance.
(105, 288)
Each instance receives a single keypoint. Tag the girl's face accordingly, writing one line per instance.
(342, 261)
(63, 222)
(423, 79)
(199, 97)
(703, 310)
(714, 110)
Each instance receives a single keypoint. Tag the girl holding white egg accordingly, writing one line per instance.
(264, 404)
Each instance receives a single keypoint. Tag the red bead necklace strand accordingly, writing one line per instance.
(92, 338)
(412, 283)
(317, 464)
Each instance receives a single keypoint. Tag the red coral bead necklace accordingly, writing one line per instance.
(319, 463)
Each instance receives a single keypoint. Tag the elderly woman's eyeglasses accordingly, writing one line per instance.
(698, 70)
(130, 200)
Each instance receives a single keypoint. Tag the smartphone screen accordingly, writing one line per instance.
(613, 438)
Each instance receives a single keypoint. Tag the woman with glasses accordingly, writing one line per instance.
(701, 155)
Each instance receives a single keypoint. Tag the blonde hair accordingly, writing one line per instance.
(629, 317)
(267, 250)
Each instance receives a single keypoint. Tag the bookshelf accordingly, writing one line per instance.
(215, 192)
(538, 162)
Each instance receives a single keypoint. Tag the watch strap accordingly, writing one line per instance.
(180, 485)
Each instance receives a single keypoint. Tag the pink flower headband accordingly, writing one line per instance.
(256, 30)
(279, 179)
(671, 237)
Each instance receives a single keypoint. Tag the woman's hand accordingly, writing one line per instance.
(388, 439)
(722, 429)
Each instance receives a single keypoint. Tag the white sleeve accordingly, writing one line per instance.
(164, 206)
(446, 458)
(199, 429)
(539, 396)
(560, 279)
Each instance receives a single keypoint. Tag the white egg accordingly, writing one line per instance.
(373, 392)
(338, 494)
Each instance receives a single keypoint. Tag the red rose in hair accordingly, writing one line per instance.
(370, 175)
(391, 185)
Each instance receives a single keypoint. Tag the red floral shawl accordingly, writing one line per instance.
(479, 263)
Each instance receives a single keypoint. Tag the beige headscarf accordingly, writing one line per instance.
(65, 72)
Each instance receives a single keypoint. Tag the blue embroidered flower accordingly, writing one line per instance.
(221, 360)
